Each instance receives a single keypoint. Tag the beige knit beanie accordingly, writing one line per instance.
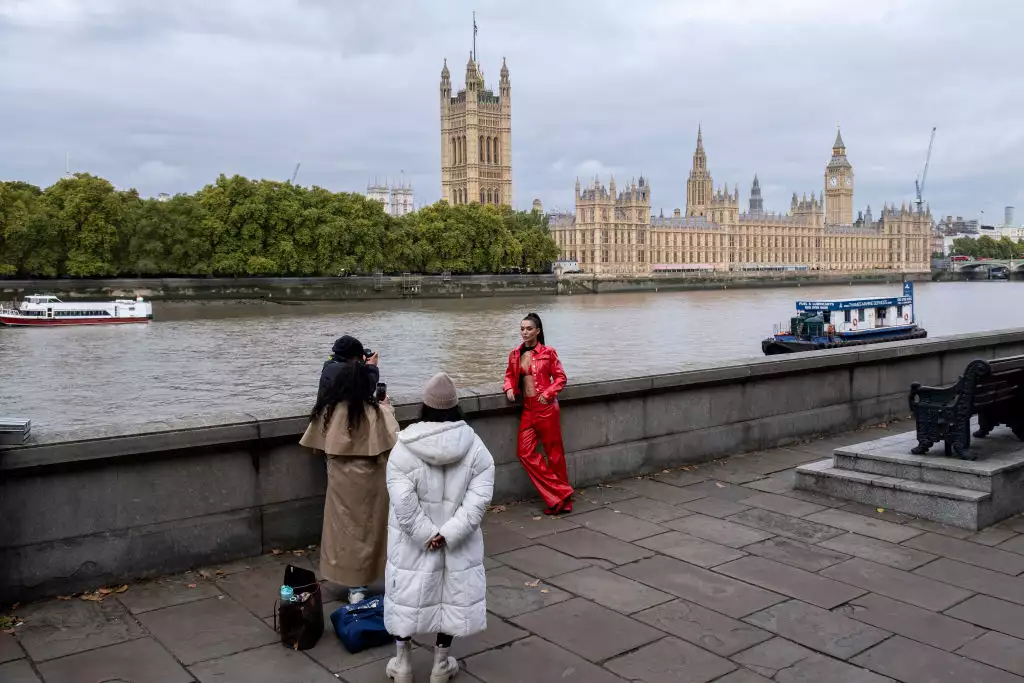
(440, 392)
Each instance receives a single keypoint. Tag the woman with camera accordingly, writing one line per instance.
(535, 374)
(354, 426)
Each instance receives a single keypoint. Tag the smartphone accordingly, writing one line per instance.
(382, 391)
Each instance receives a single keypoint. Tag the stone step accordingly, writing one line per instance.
(927, 469)
(953, 505)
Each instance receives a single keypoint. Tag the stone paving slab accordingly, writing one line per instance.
(911, 662)
(688, 575)
(790, 581)
(882, 552)
(811, 558)
(18, 671)
(137, 660)
(710, 630)
(897, 584)
(593, 632)
(919, 624)
(9, 648)
(975, 579)
(784, 525)
(818, 629)
(670, 661)
(610, 590)
(63, 627)
(690, 549)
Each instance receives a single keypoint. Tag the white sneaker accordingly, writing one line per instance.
(399, 669)
(445, 667)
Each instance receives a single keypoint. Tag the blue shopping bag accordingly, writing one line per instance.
(361, 626)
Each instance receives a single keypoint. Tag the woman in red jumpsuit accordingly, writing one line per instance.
(535, 373)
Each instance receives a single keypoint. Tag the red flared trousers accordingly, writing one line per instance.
(542, 423)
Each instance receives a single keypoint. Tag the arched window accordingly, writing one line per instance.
(481, 196)
(488, 150)
(490, 197)
(481, 148)
(495, 150)
(455, 158)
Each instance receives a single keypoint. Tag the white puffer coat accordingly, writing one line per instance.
(440, 481)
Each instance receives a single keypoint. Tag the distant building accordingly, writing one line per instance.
(957, 226)
(614, 233)
(163, 197)
(476, 138)
(397, 200)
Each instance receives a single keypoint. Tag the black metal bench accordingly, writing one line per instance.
(993, 390)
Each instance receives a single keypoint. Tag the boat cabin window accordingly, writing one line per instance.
(880, 313)
(827, 317)
(899, 311)
(862, 314)
(847, 316)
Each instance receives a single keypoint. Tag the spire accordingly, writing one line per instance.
(838, 144)
(504, 70)
(445, 74)
(700, 139)
(757, 183)
(474, 36)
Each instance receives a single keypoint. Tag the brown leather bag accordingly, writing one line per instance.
(302, 621)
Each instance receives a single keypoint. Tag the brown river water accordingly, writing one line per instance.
(202, 359)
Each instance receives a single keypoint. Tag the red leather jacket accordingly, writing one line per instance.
(548, 374)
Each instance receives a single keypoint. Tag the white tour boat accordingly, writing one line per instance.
(46, 309)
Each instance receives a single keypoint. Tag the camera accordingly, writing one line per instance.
(382, 391)
(368, 353)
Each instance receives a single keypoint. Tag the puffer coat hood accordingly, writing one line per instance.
(438, 443)
(440, 481)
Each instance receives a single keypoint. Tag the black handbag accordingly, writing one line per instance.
(301, 621)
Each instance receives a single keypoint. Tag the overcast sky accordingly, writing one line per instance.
(163, 96)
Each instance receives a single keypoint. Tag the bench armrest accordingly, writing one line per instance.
(934, 395)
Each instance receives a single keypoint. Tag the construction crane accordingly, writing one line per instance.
(919, 185)
(296, 173)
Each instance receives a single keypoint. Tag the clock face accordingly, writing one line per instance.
(833, 181)
(849, 181)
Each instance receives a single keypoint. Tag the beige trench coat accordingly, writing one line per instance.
(353, 547)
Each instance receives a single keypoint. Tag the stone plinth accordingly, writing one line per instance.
(971, 494)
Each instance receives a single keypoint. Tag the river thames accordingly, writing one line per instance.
(202, 359)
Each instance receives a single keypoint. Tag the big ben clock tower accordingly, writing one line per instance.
(838, 186)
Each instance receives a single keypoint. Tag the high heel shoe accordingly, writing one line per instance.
(560, 508)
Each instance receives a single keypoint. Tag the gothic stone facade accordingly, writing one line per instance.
(476, 139)
(613, 233)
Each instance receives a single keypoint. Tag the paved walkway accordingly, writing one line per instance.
(714, 573)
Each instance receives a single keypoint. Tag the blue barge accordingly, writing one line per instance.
(838, 323)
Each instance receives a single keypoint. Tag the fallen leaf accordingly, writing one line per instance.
(719, 484)
(298, 553)
(219, 572)
(91, 597)
(879, 510)
(537, 518)
(63, 597)
(192, 585)
(121, 589)
(533, 584)
(276, 551)
(544, 590)
(498, 509)
(205, 573)
(104, 591)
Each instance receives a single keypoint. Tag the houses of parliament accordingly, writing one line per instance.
(612, 231)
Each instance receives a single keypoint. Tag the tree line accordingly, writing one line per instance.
(82, 226)
(986, 247)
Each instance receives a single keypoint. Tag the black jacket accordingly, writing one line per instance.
(331, 369)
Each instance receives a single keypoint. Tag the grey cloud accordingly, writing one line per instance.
(164, 96)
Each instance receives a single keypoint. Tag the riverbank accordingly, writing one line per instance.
(284, 290)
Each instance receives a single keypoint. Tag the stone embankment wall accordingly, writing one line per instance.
(289, 289)
(283, 289)
(92, 508)
(585, 284)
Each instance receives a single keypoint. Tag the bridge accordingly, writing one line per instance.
(1013, 265)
